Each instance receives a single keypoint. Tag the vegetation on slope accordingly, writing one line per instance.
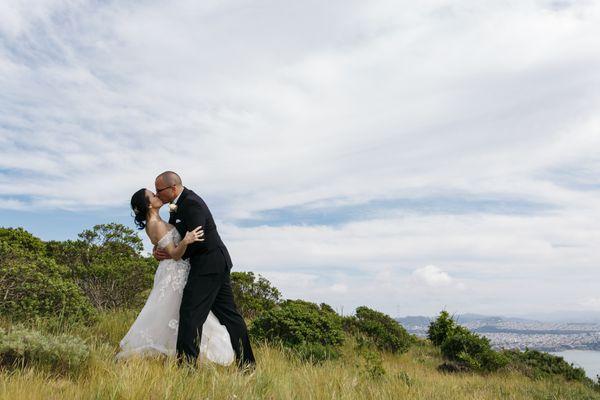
(66, 305)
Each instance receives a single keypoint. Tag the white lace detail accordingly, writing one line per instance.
(171, 236)
(175, 272)
(155, 329)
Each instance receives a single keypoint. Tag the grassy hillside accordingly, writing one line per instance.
(412, 375)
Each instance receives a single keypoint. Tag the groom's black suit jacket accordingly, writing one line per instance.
(211, 255)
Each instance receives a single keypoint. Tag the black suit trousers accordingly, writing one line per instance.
(203, 293)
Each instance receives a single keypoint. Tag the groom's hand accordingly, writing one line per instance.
(160, 254)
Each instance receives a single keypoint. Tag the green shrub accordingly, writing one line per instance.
(538, 364)
(301, 326)
(297, 321)
(59, 354)
(112, 240)
(372, 364)
(404, 377)
(71, 253)
(102, 269)
(37, 288)
(21, 241)
(327, 308)
(466, 349)
(111, 284)
(378, 329)
(253, 296)
(472, 350)
(106, 264)
(441, 328)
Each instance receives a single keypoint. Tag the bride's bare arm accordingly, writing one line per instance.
(176, 252)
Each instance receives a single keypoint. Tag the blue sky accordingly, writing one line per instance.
(405, 156)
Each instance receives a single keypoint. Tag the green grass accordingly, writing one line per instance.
(278, 376)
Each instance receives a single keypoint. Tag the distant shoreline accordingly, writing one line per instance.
(512, 333)
(589, 360)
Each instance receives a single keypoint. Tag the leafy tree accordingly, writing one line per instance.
(473, 351)
(327, 308)
(253, 295)
(538, 364)
(441, 328)
(301, 326)
(18, 239)
(32, 285)
(114, 240)
(116, 283)
(107, 265)
(467, 349)
(105, 262)
(379, 330)
(73, 254)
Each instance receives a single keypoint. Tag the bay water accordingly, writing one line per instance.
(589, 360)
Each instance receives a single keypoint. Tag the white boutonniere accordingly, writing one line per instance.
(172, 207)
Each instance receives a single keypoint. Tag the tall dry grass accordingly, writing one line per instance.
(278, 376)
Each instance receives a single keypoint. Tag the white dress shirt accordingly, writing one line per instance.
(177, 198)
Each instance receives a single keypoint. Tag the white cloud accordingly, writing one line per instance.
(337, 103)
(400, 100)
(591, 303)
(432, 276)
(339, 288)
(492, 263)
(12, 204)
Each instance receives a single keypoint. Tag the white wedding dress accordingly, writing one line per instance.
(155, 329)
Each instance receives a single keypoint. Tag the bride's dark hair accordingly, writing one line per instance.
(139, 205)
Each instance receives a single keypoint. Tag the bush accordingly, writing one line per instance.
(472, 350)
(372, 364)
(253, 296)
(102, 269)
(116, 283)
(378, 329)
(301, 326)
(537, 364)
(21, 241)
(37, 288)
(62, 354)
(466, 349)
(72, 254)
(441, 328)
(105, 263)
(296, 322)
(112, 240)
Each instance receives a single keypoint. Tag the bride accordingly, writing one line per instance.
(155, 329)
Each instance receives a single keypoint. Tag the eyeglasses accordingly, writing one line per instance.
(160, 190)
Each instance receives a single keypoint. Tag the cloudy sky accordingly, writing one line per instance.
(408, 156)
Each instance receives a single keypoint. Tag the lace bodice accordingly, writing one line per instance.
(170, 237)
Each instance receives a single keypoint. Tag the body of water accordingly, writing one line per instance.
(589, 360)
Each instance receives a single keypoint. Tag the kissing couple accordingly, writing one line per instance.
(190, 311)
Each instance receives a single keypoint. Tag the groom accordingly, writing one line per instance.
(208, 285)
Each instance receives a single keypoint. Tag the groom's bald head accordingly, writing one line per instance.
(169, 178)
(168, 186)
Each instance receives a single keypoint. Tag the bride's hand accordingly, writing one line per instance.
(197, 235)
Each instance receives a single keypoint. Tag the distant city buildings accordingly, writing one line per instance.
(509, 334)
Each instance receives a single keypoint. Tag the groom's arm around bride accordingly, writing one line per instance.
(192, 211)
